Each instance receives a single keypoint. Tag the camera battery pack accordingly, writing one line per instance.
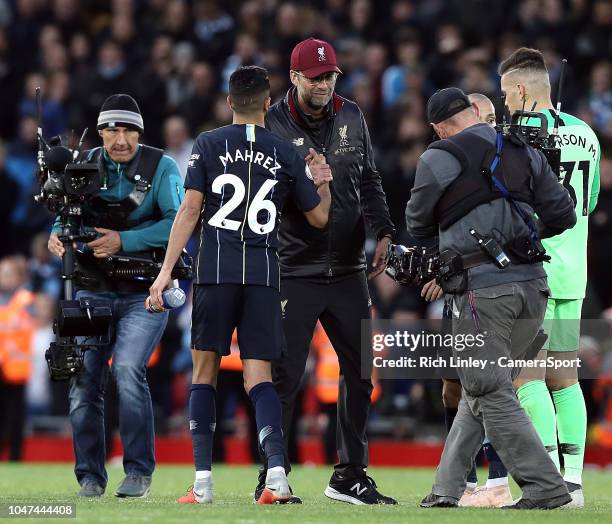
(84, 317)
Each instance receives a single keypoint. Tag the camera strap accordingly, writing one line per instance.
(140, 172)
(533, 232)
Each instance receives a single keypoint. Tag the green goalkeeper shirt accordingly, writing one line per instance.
(580, 153)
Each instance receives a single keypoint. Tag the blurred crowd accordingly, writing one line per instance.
(175, 57)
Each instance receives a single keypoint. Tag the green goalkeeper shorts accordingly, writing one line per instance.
(562, 324)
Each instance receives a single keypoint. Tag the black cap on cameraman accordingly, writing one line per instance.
(445, 103)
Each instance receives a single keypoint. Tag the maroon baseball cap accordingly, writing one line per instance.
(314, 57)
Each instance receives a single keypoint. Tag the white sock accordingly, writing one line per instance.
(277, 469)
(493, 483)
(203, 475)
(471, 485)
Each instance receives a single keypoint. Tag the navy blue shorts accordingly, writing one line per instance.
(254, 310)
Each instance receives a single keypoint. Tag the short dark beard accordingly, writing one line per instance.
(318, 110)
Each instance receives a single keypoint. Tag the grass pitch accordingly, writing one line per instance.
(233, 504)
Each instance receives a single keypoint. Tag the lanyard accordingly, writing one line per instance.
(533, 232)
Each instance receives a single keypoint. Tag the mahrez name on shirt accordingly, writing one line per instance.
(256, 157)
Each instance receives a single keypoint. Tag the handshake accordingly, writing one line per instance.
(317, 168)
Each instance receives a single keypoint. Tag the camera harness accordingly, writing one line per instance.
(128, 271)
(140, 173)
(490, 249)
(533, 232)
(418, 265)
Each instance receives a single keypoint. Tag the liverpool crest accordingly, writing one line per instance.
(343, 136)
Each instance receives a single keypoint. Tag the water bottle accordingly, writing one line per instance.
(171, 299)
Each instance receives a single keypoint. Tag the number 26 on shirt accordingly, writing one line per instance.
(259, 203)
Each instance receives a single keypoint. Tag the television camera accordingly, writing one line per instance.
(411, 265)
(418, 265)
(538, 136)
(67, 185)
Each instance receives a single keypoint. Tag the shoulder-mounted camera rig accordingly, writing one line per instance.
(538, 137)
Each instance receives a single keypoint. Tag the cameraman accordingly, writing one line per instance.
(131, 173)
(478, 191)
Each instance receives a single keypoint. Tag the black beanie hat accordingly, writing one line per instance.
(120, 110)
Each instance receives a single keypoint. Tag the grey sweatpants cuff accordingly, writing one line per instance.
(443, 491)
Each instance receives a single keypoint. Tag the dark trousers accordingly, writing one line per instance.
(12, 418)
(340, 303)
(329, 433)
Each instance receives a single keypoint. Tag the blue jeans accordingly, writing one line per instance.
(134, 336)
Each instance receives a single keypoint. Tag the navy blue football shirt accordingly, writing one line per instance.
(245, 173)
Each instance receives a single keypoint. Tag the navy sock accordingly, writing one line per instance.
(449, 417)
(202, 422)
(268, 418)
(497, 470)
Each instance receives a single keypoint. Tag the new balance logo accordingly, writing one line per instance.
(192, 160)
(193, 425)
(358, 489)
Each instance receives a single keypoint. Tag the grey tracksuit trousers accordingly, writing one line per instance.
(508, 316)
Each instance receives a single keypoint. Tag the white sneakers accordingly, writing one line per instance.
(200, 493)
(203, 491)
(277, 487)
(500, 496)
(577, 500)
(483, 497)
